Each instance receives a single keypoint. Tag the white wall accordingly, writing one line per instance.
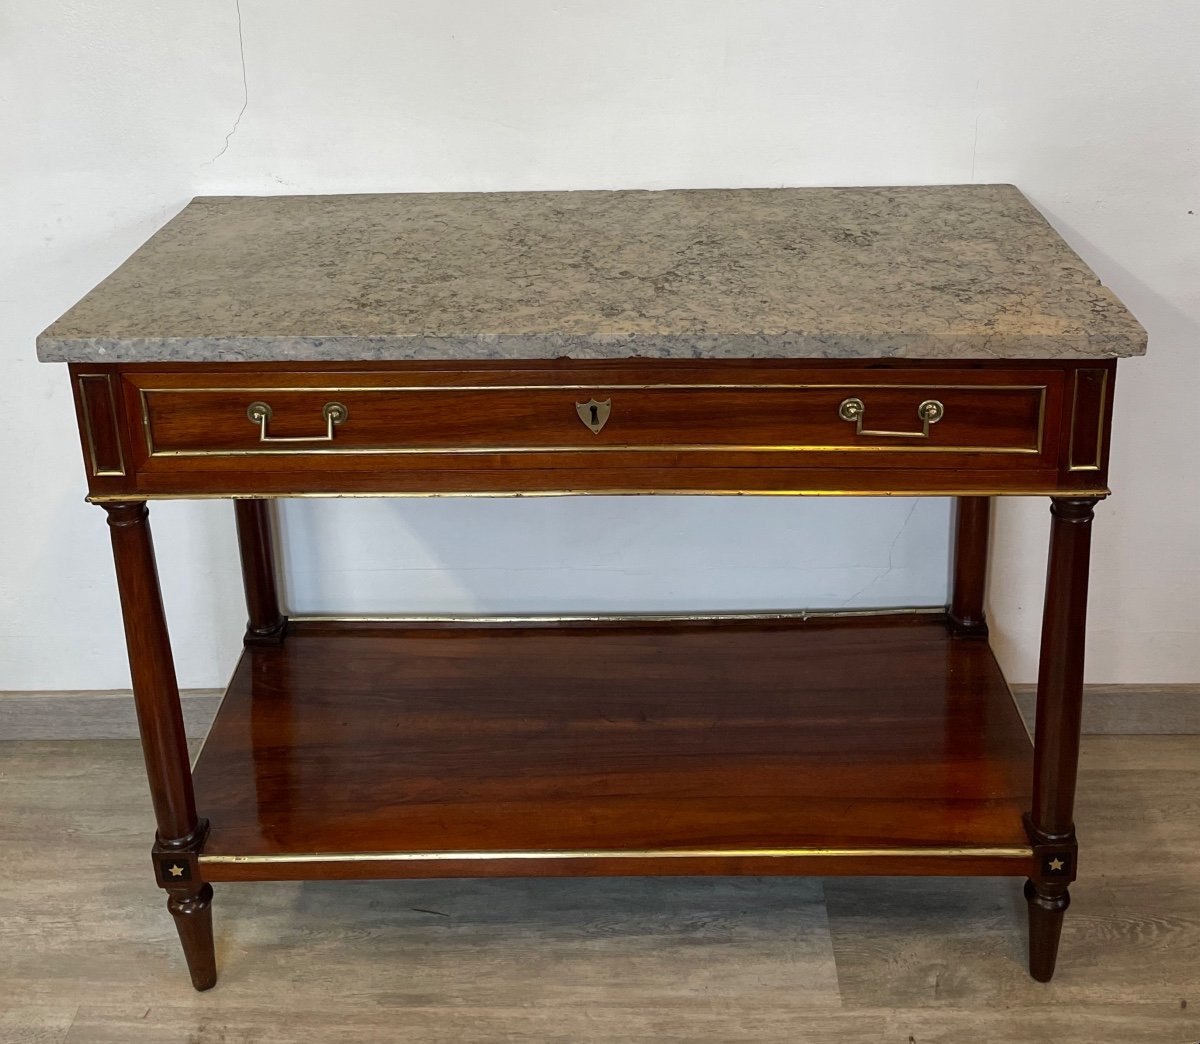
(114, 113)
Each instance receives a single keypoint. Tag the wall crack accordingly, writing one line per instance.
(891, 552)
(245, 86)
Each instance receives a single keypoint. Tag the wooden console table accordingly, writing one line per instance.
(938, 341)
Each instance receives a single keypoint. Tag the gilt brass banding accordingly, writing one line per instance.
(717, 447)
(534, 619)
(89, 421)
(662, 386)
(930, 406)
(1097, 459)
(898, 491)
(998, 852)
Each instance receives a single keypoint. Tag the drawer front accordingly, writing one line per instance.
(943, 424)
(638, 426)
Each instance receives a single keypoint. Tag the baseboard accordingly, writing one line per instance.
(1129, 710)
(93, 714)
(1118, 710)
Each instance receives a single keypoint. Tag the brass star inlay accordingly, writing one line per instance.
(1056, 864)
(175, 871)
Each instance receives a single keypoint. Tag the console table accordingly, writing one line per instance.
(927, 341)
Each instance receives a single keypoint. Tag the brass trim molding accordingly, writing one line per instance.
(997, 852)
(601, 386)
(86, 411)
(1044, 491)
(459, 451)
(1095, 466)
(750, 615)
(257, 451)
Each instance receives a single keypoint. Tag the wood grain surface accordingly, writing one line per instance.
(699, 425)
(881, 735)
(1153, 710)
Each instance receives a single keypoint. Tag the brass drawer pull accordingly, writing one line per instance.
(930, 412)
(260, 413)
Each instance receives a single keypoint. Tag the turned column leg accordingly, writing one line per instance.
(266, 624)
(972, 516)
(1050, 823)
(180, 834)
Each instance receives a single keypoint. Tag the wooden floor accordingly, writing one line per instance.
(88, 954)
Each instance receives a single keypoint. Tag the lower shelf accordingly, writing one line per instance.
(858, 745)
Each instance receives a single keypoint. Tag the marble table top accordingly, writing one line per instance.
(937, 272)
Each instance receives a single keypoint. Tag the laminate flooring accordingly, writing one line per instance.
(88, 952)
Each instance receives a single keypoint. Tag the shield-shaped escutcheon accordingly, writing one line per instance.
(594, 414)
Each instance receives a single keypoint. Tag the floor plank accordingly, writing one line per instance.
(698, 1021)
(92, 714)
(1129, 709)
(88, 954)
(22, 1023)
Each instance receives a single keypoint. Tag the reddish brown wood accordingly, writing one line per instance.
(736, 737)
(1047, 904)
(525, 417)
(192, 910)
(500, 371)
(96, 397)
(1059, 712)
(698, 418)
(1088, 418)
(519, 432)
(890, 864)
(890, 742)
(152, 670)
(180, 831)
(972, 517)
(1060, 674)
(364, 476)
(266, 624)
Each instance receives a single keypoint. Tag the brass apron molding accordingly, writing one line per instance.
(750, 615)
(999, 852)
(965, 491)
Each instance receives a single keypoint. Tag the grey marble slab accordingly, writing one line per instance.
(934, 272)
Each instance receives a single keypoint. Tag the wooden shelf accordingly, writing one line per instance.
(874, 744)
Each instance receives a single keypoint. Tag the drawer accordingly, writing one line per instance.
(944, 424)
(484, 428)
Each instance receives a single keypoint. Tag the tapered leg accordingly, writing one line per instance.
(1047, 904)
(266, 625)
(972, 516)
(192, 910)
(1050, 823)
(180, 835)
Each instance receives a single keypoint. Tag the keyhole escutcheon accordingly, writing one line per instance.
(594, 413)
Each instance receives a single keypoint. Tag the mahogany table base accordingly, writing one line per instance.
(820, 744)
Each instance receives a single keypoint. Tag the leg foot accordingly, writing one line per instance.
(192, 911)
(1047, 904)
